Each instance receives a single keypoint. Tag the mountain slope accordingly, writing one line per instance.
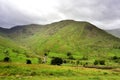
(20, 32)
(8, 45)
(64, 36)
(70, 36)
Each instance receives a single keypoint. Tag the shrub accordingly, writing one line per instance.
(6, 59)
(115, 58)
(84, 58)
(102, 62)
(71, 57)
(64, 61)
(69, 54)
(45, 54)
(77, 62)
(96, 62)
(85, 64)
(56, 61)
(28, 61)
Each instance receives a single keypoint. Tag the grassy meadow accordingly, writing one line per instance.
(13, 71)
(17, 69)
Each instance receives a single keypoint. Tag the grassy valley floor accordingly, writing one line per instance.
(19, 71)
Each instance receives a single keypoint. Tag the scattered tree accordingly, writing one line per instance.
(115, 58)
(28, 61)
(96, 62)
(84, 58)
(102, 62)
(45, 54)
(77, 62)
(71, 57)
(6, 59)
(85, 64)
(69, 54)
(64, 61)
(56, 61)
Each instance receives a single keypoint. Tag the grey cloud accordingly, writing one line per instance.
(103, 13)
(109, 9)
(11, 16)
(95, 9)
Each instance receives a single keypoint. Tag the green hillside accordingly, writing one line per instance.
(80, 38)
(10, 48)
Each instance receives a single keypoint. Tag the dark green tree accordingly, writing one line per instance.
(56, 61)
(102, 62)
(6, 59)
(96, 62)
(69, 54)
(28, 61)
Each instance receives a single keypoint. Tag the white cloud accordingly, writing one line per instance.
(103, 13)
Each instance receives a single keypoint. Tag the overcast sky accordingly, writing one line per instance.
(102, 13)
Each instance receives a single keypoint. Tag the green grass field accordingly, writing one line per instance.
(13, 71)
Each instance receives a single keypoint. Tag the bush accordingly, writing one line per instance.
(69, 54)
(85, 64)
(96, 62)
(115, 59)
(64, 61)
(28, 61)
(102, 62)
(6, 59)
(56, 61)
(45, 54)
(71, 57)
(84, 58)
(77, 62)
